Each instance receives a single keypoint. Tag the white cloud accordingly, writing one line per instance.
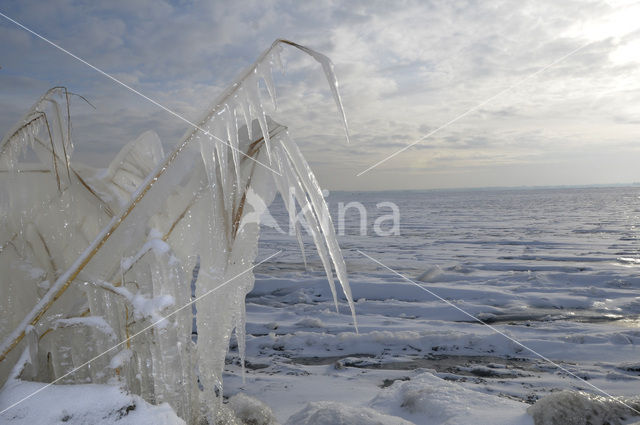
(405, 68)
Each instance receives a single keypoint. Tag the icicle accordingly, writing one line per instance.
(60, 138)
(241, 335)
(207, 150)
(283, 187)
(316, 233)
(219, 131)
(32, 344)
(69, 141)
(292, 181)
(253, 95)
(226, 178)
(301, 245)
(276, 58)
(327, 67)
(232, 134)
(243, 102)
(264, 71)
(322, 211)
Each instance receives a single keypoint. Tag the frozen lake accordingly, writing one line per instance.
(555, 270)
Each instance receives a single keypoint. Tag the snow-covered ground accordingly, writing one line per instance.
(554, 270)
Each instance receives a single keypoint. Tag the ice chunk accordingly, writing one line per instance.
(250, 410)
(577, 407)
(429, 399)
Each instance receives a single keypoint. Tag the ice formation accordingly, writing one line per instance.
(92, 254)
(428, 399)
(577, 407)
(252, 411)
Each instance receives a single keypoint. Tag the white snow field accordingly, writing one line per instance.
(554, 269)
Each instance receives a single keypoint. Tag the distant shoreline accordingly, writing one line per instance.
(499, 188)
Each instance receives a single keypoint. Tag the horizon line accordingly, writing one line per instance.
(480, 188)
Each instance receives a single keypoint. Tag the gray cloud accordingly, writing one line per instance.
(405, 68)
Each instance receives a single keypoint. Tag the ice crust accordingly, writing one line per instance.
(428, 399)
(333, 413)
(120, 244)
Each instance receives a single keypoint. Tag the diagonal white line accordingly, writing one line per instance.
(139, 332)
(500, 332)
(114, 79)
(478, 106)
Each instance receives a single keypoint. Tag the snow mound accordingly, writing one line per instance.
(429, 400)
(577, 408)
(310, 322)
(251, 411)
(80, 404)
(332, 413)
(431, 274)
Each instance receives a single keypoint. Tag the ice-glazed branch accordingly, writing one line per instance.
(327, 67)
(65, 280)
(29, 118)
(26, 121)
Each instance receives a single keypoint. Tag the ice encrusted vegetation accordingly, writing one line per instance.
(92, 258)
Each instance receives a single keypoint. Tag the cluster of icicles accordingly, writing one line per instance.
(92, 258)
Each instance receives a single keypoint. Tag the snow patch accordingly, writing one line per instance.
(95, 322)
(310, 322)
(429, 400)
(332, 413)
(79, 405)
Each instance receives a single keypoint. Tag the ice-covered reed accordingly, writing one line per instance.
(93, 257)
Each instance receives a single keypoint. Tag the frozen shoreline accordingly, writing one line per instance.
(299, 350)
(562, 281)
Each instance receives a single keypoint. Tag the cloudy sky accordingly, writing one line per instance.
(525, 109)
